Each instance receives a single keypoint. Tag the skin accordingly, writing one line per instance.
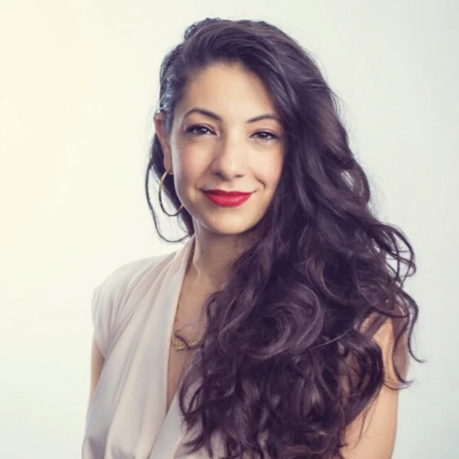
(233, 154)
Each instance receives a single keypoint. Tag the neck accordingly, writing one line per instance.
(213, 257)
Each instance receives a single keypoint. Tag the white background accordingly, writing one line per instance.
(78, 87)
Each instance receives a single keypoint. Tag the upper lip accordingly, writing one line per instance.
(227, 193)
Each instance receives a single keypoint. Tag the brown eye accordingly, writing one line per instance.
(266, 135)
(197, 129)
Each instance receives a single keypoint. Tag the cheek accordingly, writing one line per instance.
(269, 173)
(189, 165)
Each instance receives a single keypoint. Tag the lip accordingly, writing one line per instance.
(228, 193)
(227, 198)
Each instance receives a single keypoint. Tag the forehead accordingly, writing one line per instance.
(228, 89)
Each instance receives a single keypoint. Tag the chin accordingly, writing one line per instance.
(226, 222)
(226, 227)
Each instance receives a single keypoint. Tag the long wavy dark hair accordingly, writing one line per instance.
(288, 350)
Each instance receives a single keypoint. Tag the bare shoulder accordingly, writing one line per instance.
(395, 355)
(373, 432)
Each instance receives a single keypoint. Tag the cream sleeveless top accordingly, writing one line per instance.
(133, 312)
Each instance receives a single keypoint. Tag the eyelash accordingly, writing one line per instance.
(198, 126)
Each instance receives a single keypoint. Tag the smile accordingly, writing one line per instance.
(227, 199)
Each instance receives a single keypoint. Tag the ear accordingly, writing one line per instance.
(163, 140)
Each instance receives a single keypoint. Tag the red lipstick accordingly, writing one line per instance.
(227, 198)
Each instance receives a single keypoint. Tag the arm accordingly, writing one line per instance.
(380, 426)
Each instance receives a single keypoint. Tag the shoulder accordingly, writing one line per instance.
(393, 343)
(128, 274)
(372, 433)
(115, 296)
(124, 279)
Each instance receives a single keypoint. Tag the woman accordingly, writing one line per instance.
(281, 329)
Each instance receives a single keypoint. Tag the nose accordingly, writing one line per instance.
(230, 157)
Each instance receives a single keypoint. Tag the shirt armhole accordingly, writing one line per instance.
(100, 307)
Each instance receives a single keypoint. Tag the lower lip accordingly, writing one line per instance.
(227, 201)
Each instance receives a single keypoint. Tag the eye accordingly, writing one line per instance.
(266, 135)
(197, 129)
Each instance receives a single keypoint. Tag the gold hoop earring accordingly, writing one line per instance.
(161, 183)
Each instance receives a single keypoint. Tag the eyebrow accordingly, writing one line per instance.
(213, 115)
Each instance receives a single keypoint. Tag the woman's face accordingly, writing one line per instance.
(217, 143)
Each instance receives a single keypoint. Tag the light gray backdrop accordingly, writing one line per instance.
(78, 86)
